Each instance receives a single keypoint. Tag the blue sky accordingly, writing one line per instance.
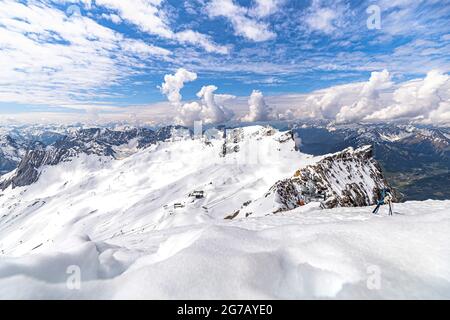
(67, 55)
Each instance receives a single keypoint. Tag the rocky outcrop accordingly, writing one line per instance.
(351, 178)
(10, 153)
(27, 171)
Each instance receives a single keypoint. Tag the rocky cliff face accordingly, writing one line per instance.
(11, 152)
(27, 171)
(351, 178)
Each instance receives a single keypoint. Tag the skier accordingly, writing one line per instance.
(386, 198)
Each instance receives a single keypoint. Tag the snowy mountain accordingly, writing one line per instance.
(415, 158)
(176, 180)
(351, 178)
(8, 154)
(164, 214)
(417, 139)
(16, 141)
(11, 152)
(95, 141)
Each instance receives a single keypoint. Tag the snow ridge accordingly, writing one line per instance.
(351, 178)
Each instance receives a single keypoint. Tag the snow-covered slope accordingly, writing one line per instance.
(154, 187)
(150, 224)
(304, 254)
(149, 189)
(91, 141)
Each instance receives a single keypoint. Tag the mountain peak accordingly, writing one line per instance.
(349, 178)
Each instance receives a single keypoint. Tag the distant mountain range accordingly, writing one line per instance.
(50, 148)
(140, 210)
(416, 159)
(169, 177)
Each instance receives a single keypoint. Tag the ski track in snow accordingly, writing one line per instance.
(108, 218)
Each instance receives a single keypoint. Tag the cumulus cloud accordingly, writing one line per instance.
(208, 109)
(328, 102)
(222, 98)
(188, 113)
(425, 100)
(418, 99)
(258, 108)
(368, 100)
(173, 83)
(288, 115)
(350, 102)
(212, 111)
(439, 115)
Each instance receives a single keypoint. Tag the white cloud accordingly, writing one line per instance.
(145, 14)
(148, 16)
(112, 17)
(326, 19)
(327, 103)
(349, 102)
(265, 8)
(258, 108)
(440, 115)
(322, 19)
(241, 18)
(50, 58)
(196, 38)
(368, 100)
(424, 100)
(173, 83)
(419, 99)
(222, 98)
(141, 48)
(212, 111)
(209, 109)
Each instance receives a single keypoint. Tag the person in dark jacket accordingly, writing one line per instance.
(386, 198)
